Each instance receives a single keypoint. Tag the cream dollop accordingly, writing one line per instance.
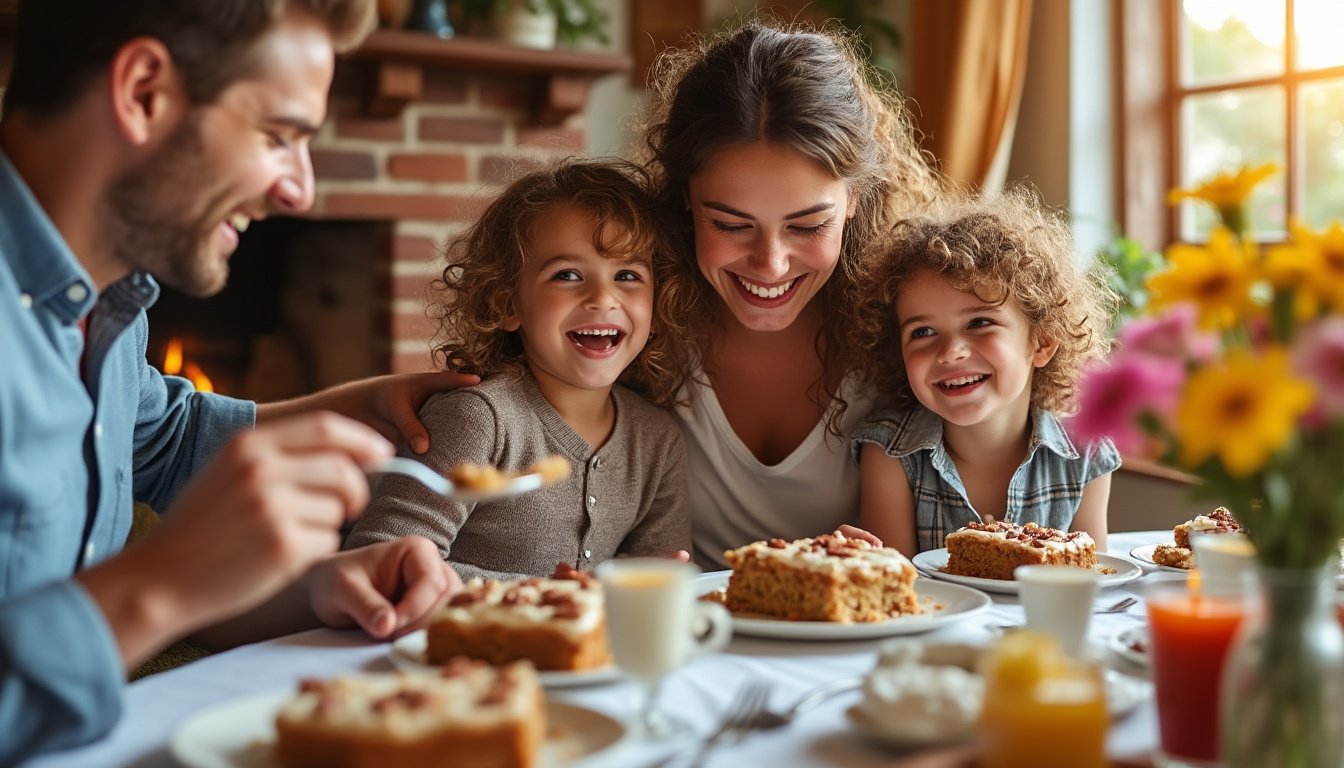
(928, 702)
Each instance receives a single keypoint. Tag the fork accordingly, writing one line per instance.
(739, 716)
(1119, 607)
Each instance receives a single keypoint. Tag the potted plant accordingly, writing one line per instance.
(539, 23)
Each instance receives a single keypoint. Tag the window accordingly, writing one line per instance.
(1252, 82)
(1207, 85)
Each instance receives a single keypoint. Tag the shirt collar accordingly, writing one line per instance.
(924, 431)
(45, 268)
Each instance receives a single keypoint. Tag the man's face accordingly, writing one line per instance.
(179, 214)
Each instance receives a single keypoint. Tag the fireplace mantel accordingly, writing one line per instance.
(400, 59)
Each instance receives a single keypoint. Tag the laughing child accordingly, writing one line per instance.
(984, 324)
(551, 298)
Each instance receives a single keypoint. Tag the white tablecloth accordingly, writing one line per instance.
(698, 693)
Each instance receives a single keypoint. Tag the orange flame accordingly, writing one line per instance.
(174, 365)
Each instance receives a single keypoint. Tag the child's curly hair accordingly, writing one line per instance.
(486, 262)
(1009, 246)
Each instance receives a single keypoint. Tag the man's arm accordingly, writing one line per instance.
(389, 404)
(254, 520)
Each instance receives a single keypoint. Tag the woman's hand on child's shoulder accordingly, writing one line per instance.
(853, 532)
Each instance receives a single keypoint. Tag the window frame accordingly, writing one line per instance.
(1150, 97)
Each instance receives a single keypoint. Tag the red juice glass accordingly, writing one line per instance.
(1190, 635)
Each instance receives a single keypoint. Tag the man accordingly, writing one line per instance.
(139, 138)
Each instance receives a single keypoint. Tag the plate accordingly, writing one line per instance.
(943, 603)
(1131, 644)
(1124, 694)
(1145, 554)
(933, 561)
(239, 733)
(408, 653)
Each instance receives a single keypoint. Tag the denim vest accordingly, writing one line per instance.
(1046, 488)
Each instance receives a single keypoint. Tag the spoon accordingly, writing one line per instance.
(512, 486)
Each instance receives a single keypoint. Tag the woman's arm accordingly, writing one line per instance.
(886, 504)
(1091, 514)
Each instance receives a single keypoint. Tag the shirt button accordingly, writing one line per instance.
(596, 463)
(25, 301)
(592, 501)
(588, 554)
(89, 551)
(77, 293)
(98, 431)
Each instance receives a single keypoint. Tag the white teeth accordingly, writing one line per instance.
(766, 293)
(596, 332)
(240, 222)
(961, 380)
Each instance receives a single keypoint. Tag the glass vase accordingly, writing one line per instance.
(1283, 685)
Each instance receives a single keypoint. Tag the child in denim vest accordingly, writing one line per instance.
(983, 324)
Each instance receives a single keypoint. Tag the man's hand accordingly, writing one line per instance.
(389, 404)
(388, 589)
(264, 510)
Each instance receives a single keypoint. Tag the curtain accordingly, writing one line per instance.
(967, 61)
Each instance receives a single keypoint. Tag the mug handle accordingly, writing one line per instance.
(713, 628)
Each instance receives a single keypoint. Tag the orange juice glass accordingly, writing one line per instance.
(1032, 687)
(1190, 634)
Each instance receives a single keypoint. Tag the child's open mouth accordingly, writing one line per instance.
(597, 339)
(962, 382)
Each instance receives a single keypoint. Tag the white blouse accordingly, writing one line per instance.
(735, 499)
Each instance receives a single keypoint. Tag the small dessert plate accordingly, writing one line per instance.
(1114, 572)
(408, 654)
(1131, 645)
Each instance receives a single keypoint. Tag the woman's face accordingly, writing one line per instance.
(768, 227)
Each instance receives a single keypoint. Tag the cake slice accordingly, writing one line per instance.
(992, 550)
(1173, 556)
(557, 623)
(471, 715)
(1219, 521)
(827, 578)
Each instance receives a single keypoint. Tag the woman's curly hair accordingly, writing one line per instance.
(798, 87)
(477, 288)
(1001, 248)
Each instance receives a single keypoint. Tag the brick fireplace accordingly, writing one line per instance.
(421, 132)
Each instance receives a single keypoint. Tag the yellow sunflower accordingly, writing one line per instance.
(1227, 192)
(1326, 251)
(1241, 409)
(1217, 278)
(1297, 268)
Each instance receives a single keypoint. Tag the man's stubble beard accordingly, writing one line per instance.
(149, 220)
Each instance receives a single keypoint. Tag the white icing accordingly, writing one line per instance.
(529, 612)
(350, 701)
(800, 553)
(1080, 541)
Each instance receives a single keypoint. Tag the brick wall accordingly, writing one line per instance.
(429, 170)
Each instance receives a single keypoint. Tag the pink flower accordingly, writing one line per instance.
(1318, 355)
(1173, 334)
(1114, 396)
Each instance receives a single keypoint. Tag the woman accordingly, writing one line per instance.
(785, 168)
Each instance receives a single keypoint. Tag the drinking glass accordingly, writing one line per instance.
(1058, 600)
(655, 623)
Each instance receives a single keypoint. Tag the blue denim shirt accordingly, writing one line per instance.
(1046, 488)
(72, 459)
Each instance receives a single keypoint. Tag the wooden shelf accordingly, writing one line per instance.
(400, 58)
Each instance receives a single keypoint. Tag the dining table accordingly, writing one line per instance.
(699, 692)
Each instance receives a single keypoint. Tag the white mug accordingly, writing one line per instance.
(1058, 600)
(1222, 559)
(654, 621)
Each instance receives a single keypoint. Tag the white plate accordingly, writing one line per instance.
(240, 733)
(1127, 643)
(1124, 694)
(1145, 554)
(943, 604)
(933, 561)
(408, 653)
